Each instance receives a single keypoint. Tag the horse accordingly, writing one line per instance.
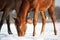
(36, 5)
(7, 6)
(46, 5)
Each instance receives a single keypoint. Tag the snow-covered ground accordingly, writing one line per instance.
(48, 33)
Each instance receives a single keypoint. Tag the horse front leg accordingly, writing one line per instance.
(6, 13)
(8, 24)
(35, 19)
(43, 21)
(1, 22)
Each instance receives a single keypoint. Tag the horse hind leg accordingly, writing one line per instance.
(8, 24)
(43, 21)
(51, 13)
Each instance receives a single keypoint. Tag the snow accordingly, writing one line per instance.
(48, 33)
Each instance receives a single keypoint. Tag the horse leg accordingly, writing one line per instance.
(18, 5)
(43, 21)
(51, 13)
(8, 24)
(6, 13)
(35, 19)
(1, 22)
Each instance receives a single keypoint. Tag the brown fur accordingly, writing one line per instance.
(3, 4)
(36, 5)
(7, 6)
(49, 4)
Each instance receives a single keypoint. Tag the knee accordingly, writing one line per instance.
(44, 20)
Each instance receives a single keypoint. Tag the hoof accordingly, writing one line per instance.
(34, 34)
(42, 33)
(10, 33)
(29, 21)
(55, 32)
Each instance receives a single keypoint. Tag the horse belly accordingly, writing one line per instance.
(45, 5)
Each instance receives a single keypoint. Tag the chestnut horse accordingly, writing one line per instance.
(46, 5)
(7, 6)
(36, 5)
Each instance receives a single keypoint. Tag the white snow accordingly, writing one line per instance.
(48, 33)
